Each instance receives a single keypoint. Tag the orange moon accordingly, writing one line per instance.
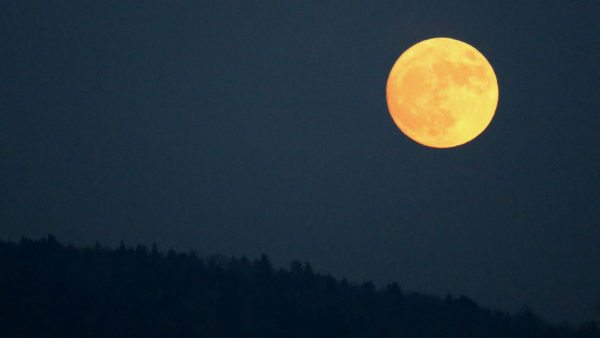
(442, 93)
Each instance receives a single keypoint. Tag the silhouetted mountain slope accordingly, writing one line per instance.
(51, 290)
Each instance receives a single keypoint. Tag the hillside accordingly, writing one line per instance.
(51, 290)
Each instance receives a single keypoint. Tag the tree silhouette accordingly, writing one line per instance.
(51, 290)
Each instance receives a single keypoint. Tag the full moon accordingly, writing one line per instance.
(442, 93)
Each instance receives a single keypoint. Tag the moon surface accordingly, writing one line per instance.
(442, 93)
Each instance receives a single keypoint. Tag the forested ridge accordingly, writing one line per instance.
(51, 290)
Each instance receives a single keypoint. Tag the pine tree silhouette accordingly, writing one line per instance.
(51, 290)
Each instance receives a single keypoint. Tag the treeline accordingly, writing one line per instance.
(49, 290)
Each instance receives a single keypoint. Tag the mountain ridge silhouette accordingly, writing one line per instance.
(48, 289)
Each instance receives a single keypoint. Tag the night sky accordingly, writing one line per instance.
(249, 127)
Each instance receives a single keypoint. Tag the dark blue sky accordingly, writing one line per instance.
(253, 127)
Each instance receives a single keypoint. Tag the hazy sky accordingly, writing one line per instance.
(248, 127)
